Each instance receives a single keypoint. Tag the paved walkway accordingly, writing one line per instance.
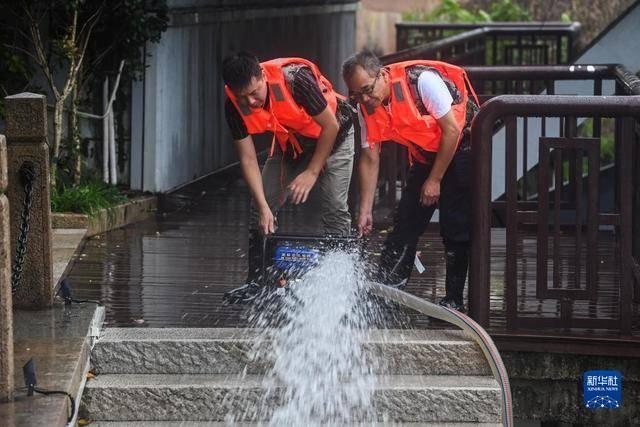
(173, 271)
(57, 340)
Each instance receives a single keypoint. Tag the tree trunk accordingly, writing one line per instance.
(57, 138)
(75, 136)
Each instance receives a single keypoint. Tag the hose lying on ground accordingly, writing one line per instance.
(465, 323)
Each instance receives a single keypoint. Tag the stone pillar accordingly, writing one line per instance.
(6, 309)
(26, 131)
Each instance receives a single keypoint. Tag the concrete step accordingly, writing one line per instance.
(65, 242)
(222, 424)
(229, 351)
(397, 398)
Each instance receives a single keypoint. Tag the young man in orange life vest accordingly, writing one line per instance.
(312, 147)
(426, 106)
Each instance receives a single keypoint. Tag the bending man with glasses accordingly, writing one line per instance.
(426, 106)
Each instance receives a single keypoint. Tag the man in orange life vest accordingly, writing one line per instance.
(312, 146)
(426, 106)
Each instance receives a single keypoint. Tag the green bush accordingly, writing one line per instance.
(87, 198)
(607, 138)
(451, 11)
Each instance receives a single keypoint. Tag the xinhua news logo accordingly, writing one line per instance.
(602, 389)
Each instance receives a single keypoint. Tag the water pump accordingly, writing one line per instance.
(286, 258)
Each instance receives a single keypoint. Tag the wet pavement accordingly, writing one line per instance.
(58, 341)
(172, 271)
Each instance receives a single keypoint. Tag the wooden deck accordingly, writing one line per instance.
(173, 271)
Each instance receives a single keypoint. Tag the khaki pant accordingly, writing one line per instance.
(326, 211)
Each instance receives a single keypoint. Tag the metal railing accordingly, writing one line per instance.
(595, 80)
(571, 265)
(539, 79)
(570, 179)
(414, 33)
(500, 43)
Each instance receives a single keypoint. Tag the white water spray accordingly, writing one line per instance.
(320, 374)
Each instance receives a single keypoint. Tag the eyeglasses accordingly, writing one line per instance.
(365, 90)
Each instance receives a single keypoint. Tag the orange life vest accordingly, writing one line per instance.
(283, 116)
(401, 121)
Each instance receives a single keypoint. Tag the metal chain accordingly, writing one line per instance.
(27, 176)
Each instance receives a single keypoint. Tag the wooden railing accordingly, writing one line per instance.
(549, 167)
(571, 265)
(500, 43)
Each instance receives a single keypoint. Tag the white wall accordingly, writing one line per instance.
(184, 135)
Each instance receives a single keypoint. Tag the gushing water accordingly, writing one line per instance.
(320, 373)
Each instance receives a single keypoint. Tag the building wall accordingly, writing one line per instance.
(614, 46)
(178, 130)
(376, 27)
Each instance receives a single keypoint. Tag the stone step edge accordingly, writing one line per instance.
(384, 382)
(249, 424)
(374, 336)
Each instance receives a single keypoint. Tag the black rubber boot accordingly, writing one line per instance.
(457, 259)
(252, 286)
(396, 263)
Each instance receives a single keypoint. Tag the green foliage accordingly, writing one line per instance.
(121, 34)
(87, 198)
(566, 18)
(508, 11)
(607, 137)
(15, 69)
(451, 11)
(117, 30)
(97, 34)
(65, 165)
